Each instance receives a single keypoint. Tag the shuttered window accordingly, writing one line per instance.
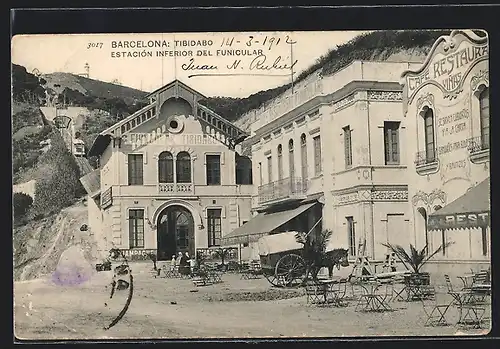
(484, 106)
(391, 142)
(135, 169)
(136, 228)
(214, 227)
(317, 155)
(347, 146)
(430, 148)
(213, 169)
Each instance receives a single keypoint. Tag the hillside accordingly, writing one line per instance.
(100, 89)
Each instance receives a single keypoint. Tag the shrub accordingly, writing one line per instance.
(59, 184)
(22, 203)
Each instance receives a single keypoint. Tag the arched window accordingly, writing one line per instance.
(183, 167)
(484, 110)
(291, 161)
(430, 147)
(166, 168)
(280, 162)
(303, 156)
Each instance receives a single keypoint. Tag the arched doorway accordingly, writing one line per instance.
(421, 222)
(175, 232)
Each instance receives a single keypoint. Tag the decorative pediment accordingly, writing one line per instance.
(215, 125)
(176, 89)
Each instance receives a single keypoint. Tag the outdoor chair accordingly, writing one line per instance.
(397, 292)
(481, 286)
(435, 307)
(170, 272)
(315, 292)
(339, 291)
(214, 275)
(474, 314)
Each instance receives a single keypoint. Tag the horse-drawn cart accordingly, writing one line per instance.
(282, 260)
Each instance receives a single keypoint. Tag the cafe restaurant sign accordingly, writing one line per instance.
(448, 64)
(460, 220)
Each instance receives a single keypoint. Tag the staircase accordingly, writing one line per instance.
(215, 125)
(83, 165)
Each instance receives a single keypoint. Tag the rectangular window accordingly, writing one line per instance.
(317, 155)
(351, 236)
(136, 228)
(213, 169)
(269, 170)
(135, 169)
(243, 169)
(214, 227)
(347, 146)
(391, 142)
(261, 178)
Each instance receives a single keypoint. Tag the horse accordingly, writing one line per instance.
(316, 258)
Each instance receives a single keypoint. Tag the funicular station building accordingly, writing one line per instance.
(330, 154)
(170, 178)
(447, 114)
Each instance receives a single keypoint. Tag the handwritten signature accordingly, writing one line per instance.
(260, 63)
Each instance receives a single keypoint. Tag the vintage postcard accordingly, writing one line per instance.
(251, 184)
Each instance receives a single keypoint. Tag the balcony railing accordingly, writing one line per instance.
(175, 188)
(287, 188)
(422, 158)
(478, 144)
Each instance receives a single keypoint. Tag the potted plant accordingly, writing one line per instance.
(415, 260)
(223, 254)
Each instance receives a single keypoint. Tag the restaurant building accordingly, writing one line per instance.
(447, 114)
(329, 154)
(170, 178)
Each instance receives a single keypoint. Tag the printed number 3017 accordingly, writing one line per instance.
(94, 45)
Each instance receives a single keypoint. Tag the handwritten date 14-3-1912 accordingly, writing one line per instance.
(268, 41)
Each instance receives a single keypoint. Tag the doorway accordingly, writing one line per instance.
(175, 232)
(397, 230)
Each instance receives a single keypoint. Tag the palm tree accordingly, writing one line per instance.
(314, 248)
(415, 259)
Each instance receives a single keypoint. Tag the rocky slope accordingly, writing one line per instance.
(39, 245)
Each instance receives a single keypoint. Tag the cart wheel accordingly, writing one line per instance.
(273, 280)
(291, 269)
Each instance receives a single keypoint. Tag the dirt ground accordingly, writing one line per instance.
(168, 308)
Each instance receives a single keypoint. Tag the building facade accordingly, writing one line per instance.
(447, 114)
(170, 179)
(337, 142)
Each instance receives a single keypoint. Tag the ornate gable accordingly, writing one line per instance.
(213, 124)
(447, 64)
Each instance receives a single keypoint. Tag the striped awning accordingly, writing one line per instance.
(471, 210)
(262, 224)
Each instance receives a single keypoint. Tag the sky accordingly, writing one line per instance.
(104, 54)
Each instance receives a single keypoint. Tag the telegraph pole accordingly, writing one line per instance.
(291, 62)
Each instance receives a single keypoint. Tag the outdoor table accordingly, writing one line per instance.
(467, 280)
(370, 300)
